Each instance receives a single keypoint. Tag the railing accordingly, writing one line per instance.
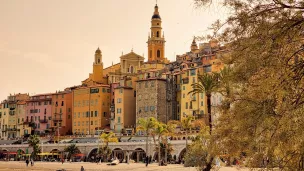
(57, 119)
(43, 121)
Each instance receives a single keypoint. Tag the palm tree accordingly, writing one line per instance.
(72, 150)
(187, 125)
(207, 83)
(108, 137)
(34, 142)
(160, 130)
(147, 125)
(171, 126)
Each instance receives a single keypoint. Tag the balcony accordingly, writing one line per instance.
(12, 113)
(43, 121)
(11, 129)
(57, 119)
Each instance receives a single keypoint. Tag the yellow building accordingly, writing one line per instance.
(190, 105)
(4, 118)
(97, 76)
(129, 63)
(22, 129)
(90, 109)
(125, 108)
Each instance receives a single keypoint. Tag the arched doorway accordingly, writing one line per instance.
(118, 152)
(182, 154)
(92, 157)
(138, 155)
(3, 154)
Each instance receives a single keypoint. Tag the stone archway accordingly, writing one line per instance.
(118, 152)
(138, 155)
(93, 155)
(182, 154)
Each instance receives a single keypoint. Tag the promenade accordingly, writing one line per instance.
(53, 166)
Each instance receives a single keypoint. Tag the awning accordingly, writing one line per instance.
(48, 154)
(13, 153)
(79, 155)
(26, 154)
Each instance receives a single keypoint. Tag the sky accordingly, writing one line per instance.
(49, 45)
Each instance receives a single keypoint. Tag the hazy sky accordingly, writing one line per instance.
(49, 45)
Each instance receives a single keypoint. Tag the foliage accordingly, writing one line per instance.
(265, 39)
(72, 149)
(198, 153)
(34, 141)
(147, 125)
(108, 137)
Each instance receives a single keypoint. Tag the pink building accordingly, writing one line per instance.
(39, 113)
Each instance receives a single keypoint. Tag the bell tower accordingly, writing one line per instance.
(98, 67)
(156, 39)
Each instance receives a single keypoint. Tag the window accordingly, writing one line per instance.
(152, 108)
(134, 93)
(78, 114)
(202, 95)
(98, 60)
(192, 72)
(193, 80)
(104, 114)
(69, 109)
(82, 123)
(103, 90)
(118, 110)
(186, 105)
(120, 90)
(150, 54)
(183, 87)
(119, 100)
(183, 95)
(92, 113)
(96, 114)
(69, 116)
(118, 119)
(62, 103)
(158, 53)
(74, 123)
(38, 125)
(157, 34)
(202, 103)
(91, 122)
(152, 84)
(146, 108)
(74, 114)
(60, 110)
(56, 104)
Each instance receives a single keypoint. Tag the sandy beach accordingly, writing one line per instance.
(53, 166)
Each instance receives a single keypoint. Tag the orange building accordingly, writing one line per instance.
(91, 106)
(62, 112)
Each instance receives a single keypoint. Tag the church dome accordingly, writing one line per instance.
(156, 16)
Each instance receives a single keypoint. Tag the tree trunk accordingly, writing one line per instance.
(147, 155)
(159, 155)
(209, 111)
(166, 154)
(209, 165)
(186, 141)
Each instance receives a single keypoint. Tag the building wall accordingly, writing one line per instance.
(39, 111)
(125, 105)
(191, 105)
(23, 129)
(151, 99)
(4, 120)
(62, 112)
(90, 109)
